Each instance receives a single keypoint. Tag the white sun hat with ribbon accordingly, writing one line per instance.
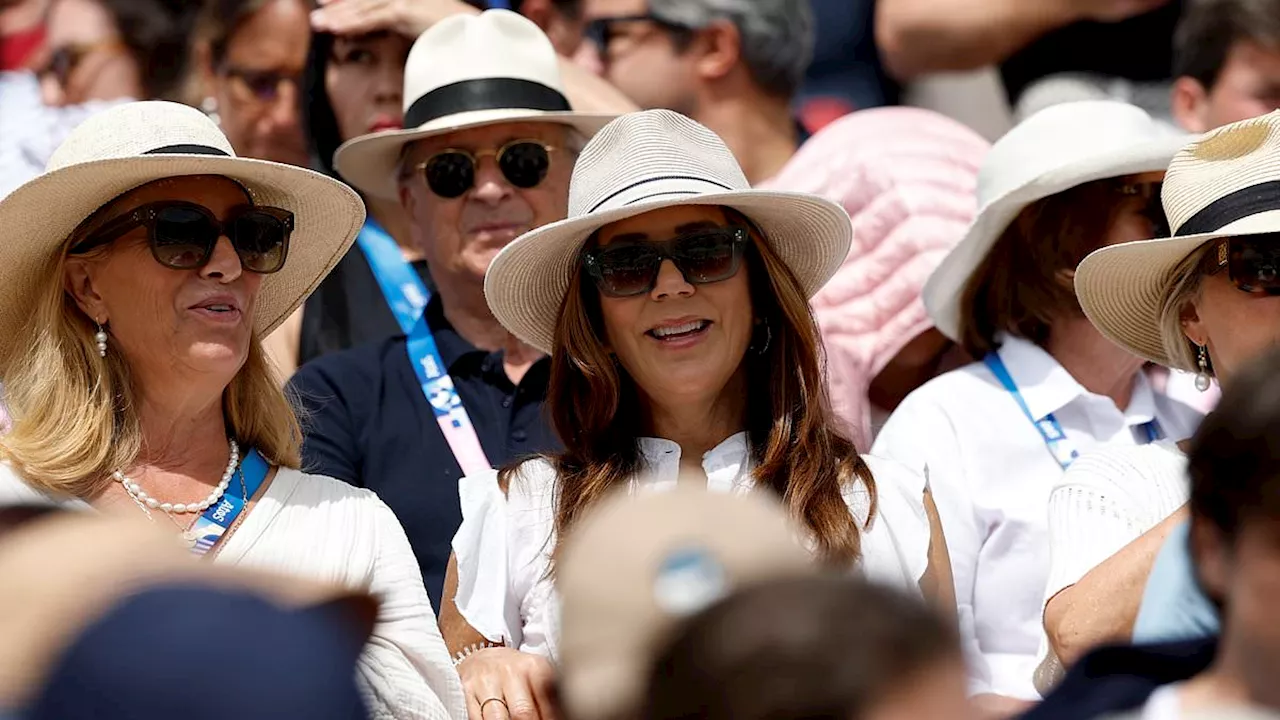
(136, 143)
(1223, 184)
(1054, 150)
(466, 71)
(645, 161)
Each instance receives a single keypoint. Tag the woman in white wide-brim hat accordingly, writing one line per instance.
(996, 434)
(1206, 300)
(141, 271)
(674, 304)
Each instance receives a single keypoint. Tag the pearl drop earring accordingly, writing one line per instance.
(1202, 377)
(100, 337)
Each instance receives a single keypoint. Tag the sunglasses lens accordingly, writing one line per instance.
(450, 174)
(1255, 264)
(709, 257)
(625, 270)
(524, 164)
(182, 237)
(260, 241)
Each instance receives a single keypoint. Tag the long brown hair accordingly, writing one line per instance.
(799, 453)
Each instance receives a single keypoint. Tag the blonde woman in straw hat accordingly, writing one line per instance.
(995, 435)
(674, 304)
(142, 270)
(1206, 300)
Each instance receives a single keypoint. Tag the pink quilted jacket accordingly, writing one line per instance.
(906, 176)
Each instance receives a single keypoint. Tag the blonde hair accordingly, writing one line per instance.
(73, 417)
(1184, 289)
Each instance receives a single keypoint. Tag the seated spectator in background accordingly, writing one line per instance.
(907, 177)
(732, 66)
(473, 172)
(98, 53)
(639, 565)
(846, 73)
(250, 55)
(1235, 520)
(674, 304)
(995, 435)
(1180, 302)
(561, 20)
(144, 267)
(21, 32)
(1227, 62)
(816, 647)
(1117, 49)
(75, 581)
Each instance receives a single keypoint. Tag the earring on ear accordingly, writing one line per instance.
(768, 337)
(100, 337)
(209, 106)
(1202, 377)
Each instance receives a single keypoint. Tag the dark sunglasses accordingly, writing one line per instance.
(265, 85)
(1252, 262)
(183, 235)
(1153, 207)
(629, 268)
(64, 60)
(602, 31)
(450, 173)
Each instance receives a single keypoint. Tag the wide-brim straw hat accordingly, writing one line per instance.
(1056, 149)
(1224, 184)
(641, 162)
(466, 71)
(136, 143)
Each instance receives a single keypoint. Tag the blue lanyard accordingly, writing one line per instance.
(218, 519)
(498, 5)
(1055, 438)
(443, 398)
(403, 290)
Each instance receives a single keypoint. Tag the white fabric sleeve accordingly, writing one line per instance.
(895, 549)
(482, 551)
(405, 667)
(920, 436)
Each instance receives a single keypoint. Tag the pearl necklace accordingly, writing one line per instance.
(141, 497)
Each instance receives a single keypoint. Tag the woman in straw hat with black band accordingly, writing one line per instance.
(673, 302)
(996, 434)
(141, 271)
(1205, 300)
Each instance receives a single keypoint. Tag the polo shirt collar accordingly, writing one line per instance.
(452, 346)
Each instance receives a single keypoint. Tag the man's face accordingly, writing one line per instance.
(640, 56)
(461, 235)
(1248, 86)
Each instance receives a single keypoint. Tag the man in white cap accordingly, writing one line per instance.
(486, 152)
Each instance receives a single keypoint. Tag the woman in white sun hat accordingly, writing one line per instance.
(995, 435)
(141, 271)
(673, 302)
(1206, 300)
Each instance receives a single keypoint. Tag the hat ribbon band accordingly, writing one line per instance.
(187, 149)
(1235, 206)
(670, 184)
(484, 94)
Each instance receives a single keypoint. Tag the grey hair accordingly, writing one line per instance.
(1184, 289)
(777, 35)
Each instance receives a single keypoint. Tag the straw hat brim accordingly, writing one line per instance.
(527, 281)
(369, 162)
(1123, 288)
(39, 217)
(945, 287)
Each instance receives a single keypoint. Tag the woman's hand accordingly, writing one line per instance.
(407, 17)
(505, 684)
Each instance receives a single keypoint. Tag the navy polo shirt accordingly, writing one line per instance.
(365, 421)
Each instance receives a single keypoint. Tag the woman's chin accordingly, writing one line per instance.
(217, 356)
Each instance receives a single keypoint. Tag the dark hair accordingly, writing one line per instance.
(820, 647)
(323, 135)
(1017, 288)
(220, 19)
(1234, 461)
(1209, 28)
(158, 35)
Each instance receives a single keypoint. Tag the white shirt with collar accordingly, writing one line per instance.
(991, 474)
(504, 546)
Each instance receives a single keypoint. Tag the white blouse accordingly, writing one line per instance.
(322, 529)
(991, 475)
(504, 545)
